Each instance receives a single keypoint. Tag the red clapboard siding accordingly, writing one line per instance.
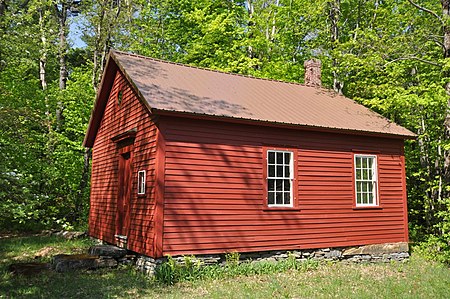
(104, 184)
(214, 190)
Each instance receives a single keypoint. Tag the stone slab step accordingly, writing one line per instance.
(377, 249)
(65, 262)
(108, 250)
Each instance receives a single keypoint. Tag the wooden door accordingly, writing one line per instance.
(124, 196)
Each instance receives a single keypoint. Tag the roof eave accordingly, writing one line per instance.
(100, 102)
(248, 121)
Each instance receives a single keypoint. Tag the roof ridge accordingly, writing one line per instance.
(221, 72)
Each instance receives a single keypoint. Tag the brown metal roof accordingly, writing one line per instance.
(167, 86)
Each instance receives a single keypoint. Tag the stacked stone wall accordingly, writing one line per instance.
(363, 254)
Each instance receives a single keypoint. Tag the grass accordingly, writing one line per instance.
(42, 248)
(416, 278)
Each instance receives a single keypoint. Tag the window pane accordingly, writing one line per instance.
(370, 198)
(279, 185)
(358, 197)
(279, 158)
(365, 201)
(370, 187)
(279, 171)
(271, 198)
(287, 185)
(271, 170)
(364, 172)
(279, 199)
(287, 198)
(369, 162)
(364, 163)
(287, 173)
(358, 162)
(364, 187)
(371, 193)
(271, 185)
(287, 158)
(271, 158)
(141, 182)
(358, 174)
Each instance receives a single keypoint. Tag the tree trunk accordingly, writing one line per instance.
(250, 10)
(97, 45)
(62, 53)
(43, 74)
(274, 27)
(2, 7)
(335, 10)
(446, 45)
(43, 58)
(84, 181)
(62, 16)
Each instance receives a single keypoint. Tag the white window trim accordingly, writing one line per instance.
(291, 178)
(374, 180)
(141, 184)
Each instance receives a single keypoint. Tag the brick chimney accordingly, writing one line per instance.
(313, 73)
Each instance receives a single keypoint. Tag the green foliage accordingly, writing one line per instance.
(40, 169)
(232, 258)
(418, 278)
(435, 248)
(387, 54)
(171, 271)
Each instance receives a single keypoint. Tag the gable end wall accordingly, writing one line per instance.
(117, 119)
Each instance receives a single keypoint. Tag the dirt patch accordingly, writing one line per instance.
(46, 251)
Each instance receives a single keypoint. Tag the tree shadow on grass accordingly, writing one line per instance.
(21, 249)
(122, 283)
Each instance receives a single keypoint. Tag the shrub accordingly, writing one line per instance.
(435, 248)
(171, 272)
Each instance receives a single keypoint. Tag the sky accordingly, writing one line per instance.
(75, 32)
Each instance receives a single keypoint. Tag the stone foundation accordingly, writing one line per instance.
(362, 254)
(109, 256)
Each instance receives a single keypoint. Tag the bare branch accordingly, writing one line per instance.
(427, 11)
(437, 42)
(413, 58)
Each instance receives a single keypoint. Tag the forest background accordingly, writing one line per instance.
(392, 56)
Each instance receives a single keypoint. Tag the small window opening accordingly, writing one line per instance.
(119, 97)
(141, 182)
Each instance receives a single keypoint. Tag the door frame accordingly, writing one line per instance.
(125, 146)
(124, 194)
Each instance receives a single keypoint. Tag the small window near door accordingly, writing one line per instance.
(141, 182)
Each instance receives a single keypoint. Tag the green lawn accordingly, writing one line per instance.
(416, 278)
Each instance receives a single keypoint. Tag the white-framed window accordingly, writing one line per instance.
(280, 176)
(366, 185)
(141, 182)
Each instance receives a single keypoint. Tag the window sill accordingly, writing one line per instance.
(367, 208)
(142, 195)
(269, 209)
